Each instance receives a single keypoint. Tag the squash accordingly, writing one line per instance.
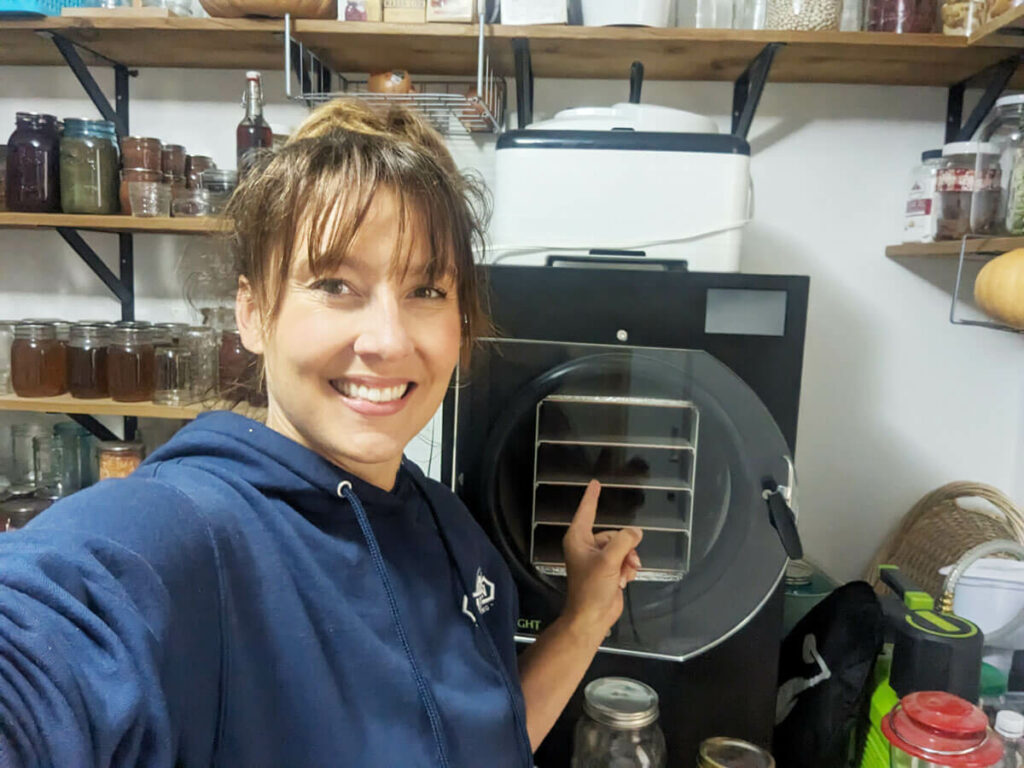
(999, 289)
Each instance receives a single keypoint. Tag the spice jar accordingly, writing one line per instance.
(219, 183)
(967, 190)
(118, 459)
(33, 160)
(619, 726)
(6, 339)
(89, 163)
(903, 16)
(130, 364)
(87, 360)
(142, 153)
(1006, 131)
(818, 15)
(38, 361)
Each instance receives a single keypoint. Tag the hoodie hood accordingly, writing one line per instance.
(273, 464)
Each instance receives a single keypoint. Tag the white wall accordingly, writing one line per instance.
(895, 400)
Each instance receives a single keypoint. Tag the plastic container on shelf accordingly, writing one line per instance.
(33, 161)
(89, 165)
(901, 16)
(921, 212)
(813, 15)
(967, 190)
(1005, 130)
(963, 17)
(644, 13)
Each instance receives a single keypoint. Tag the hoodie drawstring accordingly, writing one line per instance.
(426, 697)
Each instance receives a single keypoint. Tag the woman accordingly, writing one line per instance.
(296, 593)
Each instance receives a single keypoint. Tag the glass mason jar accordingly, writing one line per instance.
(23, 468)
(87, 360)
(75, 455)
(118, 459)
(1005, 130)
(968, 190)
(142, 153)
(720, 752)
(38, 361)
(202, 343)
(173, 368)
(130, 364)
(219, 183)
(33, 160)
(619, 726)
(15, 513)
(48, 462)
(89, 167)
(791, 15)
(168, 333)
(6, 340)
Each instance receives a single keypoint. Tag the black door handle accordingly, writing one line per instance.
(782, 519)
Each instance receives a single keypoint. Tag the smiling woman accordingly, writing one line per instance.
(297, 593)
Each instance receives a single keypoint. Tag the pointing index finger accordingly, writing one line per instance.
(583, 521)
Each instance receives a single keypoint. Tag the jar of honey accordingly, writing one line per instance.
(116, 459)
(130, 362)
(87, 360)
(38, 361)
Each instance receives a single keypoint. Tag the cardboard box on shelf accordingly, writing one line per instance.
(534, 12)
(405, 11)
(360, 10)
(451, 10)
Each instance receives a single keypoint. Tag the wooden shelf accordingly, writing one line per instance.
(107, 407)
(998, 31)
(980, 249)
(557, 51)
(157, 225)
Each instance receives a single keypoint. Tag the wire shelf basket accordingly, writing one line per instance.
(453, 106)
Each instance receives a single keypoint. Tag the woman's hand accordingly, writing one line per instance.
(598, 567)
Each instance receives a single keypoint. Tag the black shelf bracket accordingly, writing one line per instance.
(118, 114)
(524, 81)
(746, 93)
(96, 429)
(115, 284)
(994, 80)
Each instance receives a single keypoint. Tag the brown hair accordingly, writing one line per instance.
(321, 185)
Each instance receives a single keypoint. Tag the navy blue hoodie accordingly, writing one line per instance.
(239, 601)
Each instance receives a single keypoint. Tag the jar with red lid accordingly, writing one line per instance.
(935, 728)
(33, 161)
(130, 363)
(38, 361)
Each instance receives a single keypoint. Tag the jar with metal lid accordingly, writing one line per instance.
(33, 161)
(16, 512)
(967, 190)
(168, 333)
(6, 340)
(38, 361)
(87, 360)
(619, 727)
(722, 752)
(1005, 130)
(130, 363)
(90, 163)
(117, 459)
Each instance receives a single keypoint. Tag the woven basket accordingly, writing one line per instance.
(938, 530)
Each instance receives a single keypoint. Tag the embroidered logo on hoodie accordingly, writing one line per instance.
(483, 595)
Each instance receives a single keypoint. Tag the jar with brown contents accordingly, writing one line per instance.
(130, 364)
(238, 370)
(117, 459)
(87, 360)
(38, 361)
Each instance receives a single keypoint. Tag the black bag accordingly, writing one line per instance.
(824, 680)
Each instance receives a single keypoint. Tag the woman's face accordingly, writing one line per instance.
(358, 361)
